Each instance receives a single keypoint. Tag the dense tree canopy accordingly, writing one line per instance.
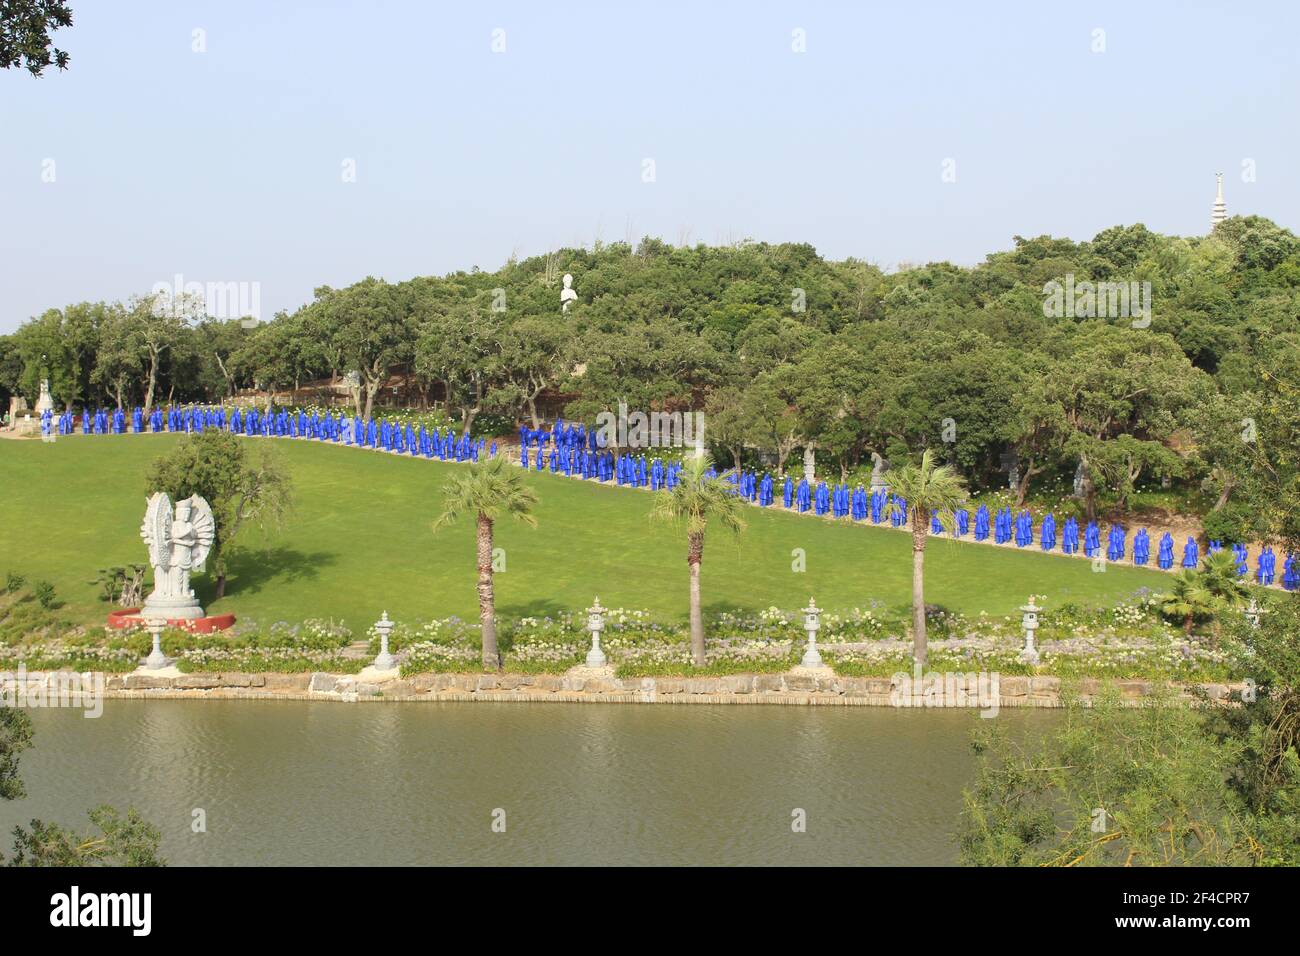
(785, 350)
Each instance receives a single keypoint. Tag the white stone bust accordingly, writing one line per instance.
(567, 294)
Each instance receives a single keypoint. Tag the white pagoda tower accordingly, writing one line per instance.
(1220, 210)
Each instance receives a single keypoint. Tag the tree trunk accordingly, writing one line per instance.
(694, 557)
(486, 600)
(1187, 625)
(1023, 488)
(221, 587)
(920, 532)
(1224, 494)
(153, 378)
(371, 389)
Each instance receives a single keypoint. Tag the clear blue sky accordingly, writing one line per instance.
(226, 165)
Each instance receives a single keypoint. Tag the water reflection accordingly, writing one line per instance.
(315, 783)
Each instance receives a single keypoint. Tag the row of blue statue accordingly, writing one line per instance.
(572, 451)
(577, 451)
(335, 427)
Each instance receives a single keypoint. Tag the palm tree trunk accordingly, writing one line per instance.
(486, 599)
(694, 558)
(920, 532)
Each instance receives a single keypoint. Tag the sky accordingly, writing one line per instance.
(295, 145)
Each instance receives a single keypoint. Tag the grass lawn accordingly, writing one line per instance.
(359, 542)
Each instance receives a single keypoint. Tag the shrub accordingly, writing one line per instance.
(14, 581)
(1230, 524)
(44, 592)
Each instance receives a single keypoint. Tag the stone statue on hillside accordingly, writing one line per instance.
(567, 294)
(878, 466)
(45, 402)
(179, 541)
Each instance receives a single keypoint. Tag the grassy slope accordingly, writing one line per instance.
(359, 542)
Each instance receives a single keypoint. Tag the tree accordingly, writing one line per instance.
(528, 359)
(118, 362)
(696, 500)
(1219, 577)
(276, 355)
(456, 349)
(129, 841)
(1118, 394)
(63, 345)
(1113, 785)
(1187, 599)
(729, 422)
(220, 344)
(214, 464)
(1208, 592)
(15, 737)
(25, 34)
(1266, 725)
(121, 841)
(157, 323)
(927, 489)
(373, 330)
(489, 490)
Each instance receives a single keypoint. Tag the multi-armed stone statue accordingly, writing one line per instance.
(179, 542)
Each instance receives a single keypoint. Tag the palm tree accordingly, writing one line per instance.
(927, 488)
(1219, 576)
(1188, 599)
(694, 501)
(489, 490)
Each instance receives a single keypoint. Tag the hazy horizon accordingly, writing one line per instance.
(896, 135)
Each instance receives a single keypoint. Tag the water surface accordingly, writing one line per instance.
(298, 782)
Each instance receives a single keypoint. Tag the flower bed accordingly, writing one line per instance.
(1129, 640)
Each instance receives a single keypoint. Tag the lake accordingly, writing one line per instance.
(302, 783)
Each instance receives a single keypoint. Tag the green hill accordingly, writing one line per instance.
(359, 542)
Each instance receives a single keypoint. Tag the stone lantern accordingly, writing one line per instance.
(155, 661)
(384, 627)
(1030, 623)
(595, 624)
(812, 622)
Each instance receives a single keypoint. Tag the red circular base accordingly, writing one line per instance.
(130, 617)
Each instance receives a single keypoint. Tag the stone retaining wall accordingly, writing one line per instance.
(789, 688)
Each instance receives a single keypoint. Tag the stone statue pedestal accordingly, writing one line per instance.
(172, 607)
(375, 675)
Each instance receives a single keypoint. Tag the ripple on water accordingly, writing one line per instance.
(318, 783)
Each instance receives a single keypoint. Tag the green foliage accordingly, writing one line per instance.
(1114, 786)
(492, 489)
(118, 841)
(121, 841)
(241, 488)
(1231, 523)
(965, 361)
(25, 34)
(13, 582)
(15, 737)
(43, 591)
(1207, 592)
